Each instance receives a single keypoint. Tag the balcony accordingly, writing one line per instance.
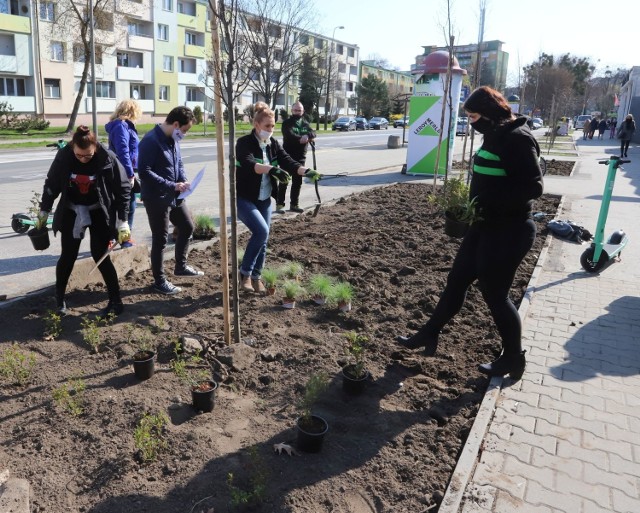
(21, 104)
(134, 9)
(188, 78)
(102, 104)
(132, 74)
(8, 63)
(194, 51)
(147, 105)
(15, 24)
(79, 66)
(193, 105)
(140, 42)
(187, 21)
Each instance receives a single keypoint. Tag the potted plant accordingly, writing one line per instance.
(198, 379)
(39, 234)
(311, 428)
(293, 270)
(319, 287)
(354, 373)
(270, 278)
(342, 294)
(292, 291)
(145, 356)
(459, 210)
(204, 228)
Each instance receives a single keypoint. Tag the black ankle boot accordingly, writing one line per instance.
(114, 308)
(425, 337)
(507, 364)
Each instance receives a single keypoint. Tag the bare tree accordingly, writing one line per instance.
(274, 38)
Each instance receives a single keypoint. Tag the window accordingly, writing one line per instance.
(193, 94)
(51, 88)
(47, 11)
(190, 38)
(319, 44)
(78, 53)
(163, 93)
(350, 86)
(354, 70)
(10, 86)
(104, 89)
(339, 49)
(351, 52)
(187, 65)
(275, 31)
(57, 51)
(167, 63)
(122, 58)
(138, 92)
(187, 8)
(342, 67)
(167, 5)
(304, 39)
(163, 32)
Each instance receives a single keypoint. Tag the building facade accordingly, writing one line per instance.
(398, 82)
(155, 51)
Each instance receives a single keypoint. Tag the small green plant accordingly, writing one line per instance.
(140, 338)
(293, 290)
(293, 270)
(69, 396)
(320, 285)
(270, 277)
(91, 331)
(180, 365)
(16, 366)
(453, 199)
(53, 325)
(149, 436)
(316, 384)
(159, 322)
(204, 227)
(357, 346)
(258, 474)
(34, 211)
(342, 292)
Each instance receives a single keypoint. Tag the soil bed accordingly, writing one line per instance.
(391, 449)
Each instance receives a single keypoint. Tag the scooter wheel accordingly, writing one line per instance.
(586, 260)
(18, 226)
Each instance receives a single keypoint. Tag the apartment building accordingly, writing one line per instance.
(155, 51)
(398, 82)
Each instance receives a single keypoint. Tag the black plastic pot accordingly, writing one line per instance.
(203, 396)
(144, 364)
(453, 227)
(350, 383)
(311, 434)
(39, 238)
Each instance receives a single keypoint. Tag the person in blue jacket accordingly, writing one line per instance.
(123, 141)
(163, 178)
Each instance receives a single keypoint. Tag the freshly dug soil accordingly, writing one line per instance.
(391, 449)
(559, 167)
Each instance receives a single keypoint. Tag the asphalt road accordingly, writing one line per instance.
(363, 155)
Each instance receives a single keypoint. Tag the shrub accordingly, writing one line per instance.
(16, 366)
(270, 277)
(149, 436)
(293, 290)
(320, 285)
(342, 292)
(197, 114)
(69, 396)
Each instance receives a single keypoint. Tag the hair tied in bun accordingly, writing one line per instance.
(83, 129)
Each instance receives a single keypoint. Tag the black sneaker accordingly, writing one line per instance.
(166, 288)
(296, 208)
(113, 309)
(187, 270)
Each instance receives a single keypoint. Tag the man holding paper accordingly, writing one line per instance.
(163, 180)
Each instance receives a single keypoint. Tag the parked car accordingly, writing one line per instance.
(344, 123)
(537, 123)
(462, 127)
(580, 121)
(378, 124)
(401, 122)
(362, 124)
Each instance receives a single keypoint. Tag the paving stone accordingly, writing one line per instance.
(597, 493)
(571, 451)
(622, 503)
(625, 483)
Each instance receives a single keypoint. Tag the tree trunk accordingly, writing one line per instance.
(79, 96)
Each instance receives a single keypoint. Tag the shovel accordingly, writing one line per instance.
(315, 166)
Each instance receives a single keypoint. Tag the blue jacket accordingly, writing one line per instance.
(160, 167)
(123, 141)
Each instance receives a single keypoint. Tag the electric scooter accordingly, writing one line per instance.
(20, 223)
(596, 256)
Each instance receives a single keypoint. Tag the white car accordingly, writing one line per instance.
(462, 127)
(536, 123)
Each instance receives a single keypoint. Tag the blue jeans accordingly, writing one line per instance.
(257, 217)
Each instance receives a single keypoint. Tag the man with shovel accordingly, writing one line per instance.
(297, 134)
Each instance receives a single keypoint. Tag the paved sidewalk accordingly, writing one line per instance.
(566, 438)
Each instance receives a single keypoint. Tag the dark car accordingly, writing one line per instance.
(344, 123)
(401, 122)
(362, 124)
(378, 124)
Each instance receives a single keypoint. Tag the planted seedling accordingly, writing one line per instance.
(34, 211)
(16, 366)
(270, 278)
(257, 481)
(320, 287)
(53, 325)
(193, 377)
(342, 294)
(69, 396)
(293, 270)
(91, 331)
(149, 436)
(453, 199)
(142, 340)
(204, 227)
(293, 290)
(356, 349)
(316, 384)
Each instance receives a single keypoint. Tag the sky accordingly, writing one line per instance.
(397, 30)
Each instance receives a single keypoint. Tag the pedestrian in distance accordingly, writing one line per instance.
(602, 128)
(262, 164)
(612, 128)
(124, 141)
(297, 134)
(163, 179)
(593, 127)
(625, 134)
(506, 179)
(94, 192)
(586, 128)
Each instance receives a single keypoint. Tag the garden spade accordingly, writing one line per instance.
(103, 257)
(315, 184)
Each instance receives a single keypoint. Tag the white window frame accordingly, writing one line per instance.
(163, 32)
(4, 86)
(167, 5)
(51, 88)
(47, 11)
(57, 51)
(167, 63)
(164, 93)
(190, 38)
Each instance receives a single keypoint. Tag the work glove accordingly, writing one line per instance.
(312, 175)
(124, 232)
(43, 217)
(281, 175)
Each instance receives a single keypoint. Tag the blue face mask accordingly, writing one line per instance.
(178, 135)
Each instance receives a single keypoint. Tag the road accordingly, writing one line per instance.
(23, 171)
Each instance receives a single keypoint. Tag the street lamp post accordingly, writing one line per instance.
(326, 98)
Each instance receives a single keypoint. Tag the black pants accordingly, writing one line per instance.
(99, 237)
(491, 254)
(296, 185)
(159, 217)
(624, 147)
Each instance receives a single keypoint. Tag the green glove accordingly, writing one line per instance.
(312, 175)
(280, 174)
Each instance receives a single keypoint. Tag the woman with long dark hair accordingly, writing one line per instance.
(506, 179)
(625, 134)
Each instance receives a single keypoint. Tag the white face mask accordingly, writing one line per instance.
(265, 135)
(178, 135)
